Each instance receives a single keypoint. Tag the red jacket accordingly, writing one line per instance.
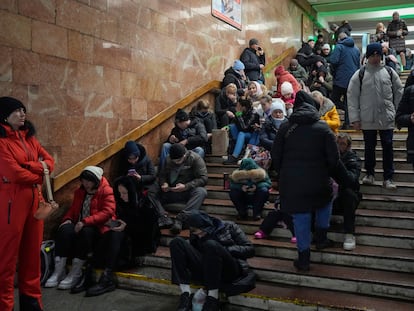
(19, 158)
(287, 76)
(101, 210)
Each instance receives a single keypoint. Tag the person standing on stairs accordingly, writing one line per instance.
(21, 175)
(405, 115)
(86, 221)
(304, 157)
(373, 98)
(349, 196)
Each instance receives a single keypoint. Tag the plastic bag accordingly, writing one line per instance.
(199, 299)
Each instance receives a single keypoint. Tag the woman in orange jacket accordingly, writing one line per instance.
(20, 233)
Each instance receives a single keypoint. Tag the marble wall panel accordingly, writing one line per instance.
(38, 9)
(90, 71)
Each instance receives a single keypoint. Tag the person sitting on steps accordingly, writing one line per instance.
(215, 256)
(84, 224)
(183, 180)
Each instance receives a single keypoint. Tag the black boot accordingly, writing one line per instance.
(211, 304)
(321, 239)
(177, 227)
(303, 261)
(105, 284)
(185, 302)
(28, 303)
(88, 280)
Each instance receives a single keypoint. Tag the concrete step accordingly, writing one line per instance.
(387, 202)
(281, 271)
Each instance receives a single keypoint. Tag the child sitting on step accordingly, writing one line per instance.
(276, 219)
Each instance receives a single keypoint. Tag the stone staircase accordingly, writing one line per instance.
(377, 275)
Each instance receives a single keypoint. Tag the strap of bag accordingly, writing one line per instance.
(47, 180)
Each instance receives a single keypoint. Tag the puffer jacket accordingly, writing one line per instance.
(102, 206)
(251, 64)
(403, 119)
(195, 134)
(375, 102)
(344, 62)
(250, 174)
(304, 156)
(232, 237)
(330, 115)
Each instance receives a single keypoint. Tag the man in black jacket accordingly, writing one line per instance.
(251, 61)
(215, 257)
(348, 195)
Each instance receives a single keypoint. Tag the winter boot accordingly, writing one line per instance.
(74, 276)
(105, 284)
(177, 227)
(28, 303)
(303, 261)
(185, 302)
(88, 280)
(211, 304)
(58, 274)
(321, 239)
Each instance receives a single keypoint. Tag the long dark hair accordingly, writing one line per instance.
(31, 131)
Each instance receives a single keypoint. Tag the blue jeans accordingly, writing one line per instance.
(370, 139)
(165, 151)
(241, 138)
(302, 224)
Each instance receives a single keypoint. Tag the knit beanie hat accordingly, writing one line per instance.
(181, 115)
(131, 148)
(177, 151)
(7, 106)
(374, 49)
(92, 173)
(278, 104)
(326, 47)
(286, 88)
(238, 65)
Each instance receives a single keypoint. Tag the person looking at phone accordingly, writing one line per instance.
(183, 180)
(137, 164)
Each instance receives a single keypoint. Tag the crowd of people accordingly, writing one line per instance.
(114, 224)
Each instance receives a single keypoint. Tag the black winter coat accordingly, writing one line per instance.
(304, 155)
(232, 76)
(251, 64)
(402, 118)
(349, 175)
(144, 167)
(246, 122)
(195, 134)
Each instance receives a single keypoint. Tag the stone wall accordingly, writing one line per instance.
(89, 71)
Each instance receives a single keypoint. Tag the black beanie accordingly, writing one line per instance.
(131, 148)
(7, 106)
(181, 115)
(177, 151)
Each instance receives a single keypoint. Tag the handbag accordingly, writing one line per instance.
(45, 208)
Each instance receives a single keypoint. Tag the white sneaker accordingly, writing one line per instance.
(368, 180)
(349, 243)
(389, 184)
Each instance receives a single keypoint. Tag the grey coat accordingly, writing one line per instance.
(375, 102)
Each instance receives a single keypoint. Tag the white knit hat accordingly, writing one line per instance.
(286, 88)
(278, 104)
(96, 170)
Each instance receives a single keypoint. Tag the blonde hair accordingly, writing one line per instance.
(231, 88)
(318, 96)
(380, 27)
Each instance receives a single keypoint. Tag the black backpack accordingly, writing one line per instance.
(47, 258)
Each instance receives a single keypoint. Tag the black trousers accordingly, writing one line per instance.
(88, 243)
(338, 96)
(210, 266)
(346, 204)
(271, 221)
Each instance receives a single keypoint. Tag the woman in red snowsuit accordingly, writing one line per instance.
(20, 233)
